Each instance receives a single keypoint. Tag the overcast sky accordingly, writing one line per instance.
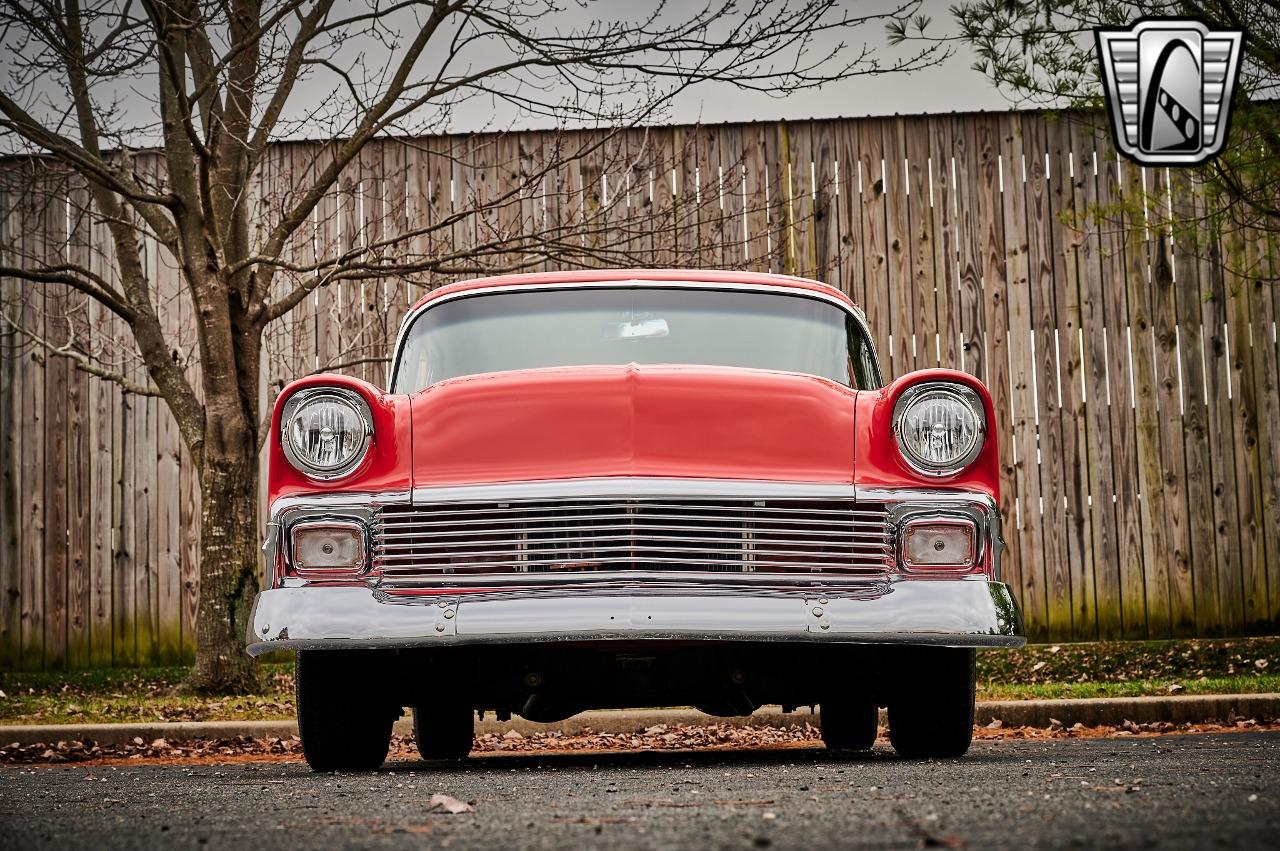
(951, 85)
(948, 86)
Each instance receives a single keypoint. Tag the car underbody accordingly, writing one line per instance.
(551, 682)
(348, 699)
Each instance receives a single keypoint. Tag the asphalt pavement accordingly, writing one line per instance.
(1181, 791)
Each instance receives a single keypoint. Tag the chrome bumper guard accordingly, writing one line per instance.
(961, 612)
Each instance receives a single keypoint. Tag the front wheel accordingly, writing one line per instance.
(931, 703)
(343, 724)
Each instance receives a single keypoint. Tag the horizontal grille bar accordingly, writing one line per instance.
(527, 544)
(707, 583)
(532, 507)
(821, 526)
(757, 533)
(652, 562)
(412, 544)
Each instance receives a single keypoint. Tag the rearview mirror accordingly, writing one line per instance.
(636, 329)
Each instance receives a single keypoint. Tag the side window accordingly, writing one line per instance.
(862, 358)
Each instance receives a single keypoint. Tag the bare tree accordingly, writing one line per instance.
(222, 80)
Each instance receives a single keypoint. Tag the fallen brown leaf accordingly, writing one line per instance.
(449, 804)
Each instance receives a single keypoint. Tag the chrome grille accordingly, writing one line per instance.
(414, 542)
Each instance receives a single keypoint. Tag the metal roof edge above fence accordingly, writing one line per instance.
(469, 134)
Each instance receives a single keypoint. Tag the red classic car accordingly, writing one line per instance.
(632, 488)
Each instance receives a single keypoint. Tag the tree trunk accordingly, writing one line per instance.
(228, 570)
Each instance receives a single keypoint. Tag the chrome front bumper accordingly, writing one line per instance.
(968, 612)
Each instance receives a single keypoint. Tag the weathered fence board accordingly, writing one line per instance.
(79, 467)
(11, 427)
(1268, 354)
(32, 457)
(1134, 368)
(1172, 460)
(1201, 562)
(1094, 420)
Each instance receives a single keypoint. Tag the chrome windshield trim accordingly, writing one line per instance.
(633, 284)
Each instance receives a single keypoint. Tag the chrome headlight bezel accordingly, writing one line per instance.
(954, 392)
(297, 404)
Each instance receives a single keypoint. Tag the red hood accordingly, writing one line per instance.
(692, 422)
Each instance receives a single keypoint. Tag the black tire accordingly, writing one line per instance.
(343, 724)
(931, 704)
(444, 731)
(849, 723)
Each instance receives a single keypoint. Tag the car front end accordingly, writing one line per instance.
(636, 529)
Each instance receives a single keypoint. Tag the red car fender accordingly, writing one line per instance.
(878, 461)
(387, 465)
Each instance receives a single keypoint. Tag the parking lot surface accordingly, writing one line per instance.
(1179, 791)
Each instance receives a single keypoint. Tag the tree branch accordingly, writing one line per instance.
(83, 362)
(79, 279)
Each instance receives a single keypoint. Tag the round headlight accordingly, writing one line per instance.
(940, 427)
(325, 431)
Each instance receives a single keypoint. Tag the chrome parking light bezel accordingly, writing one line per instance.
(939, 518)
(350, 524)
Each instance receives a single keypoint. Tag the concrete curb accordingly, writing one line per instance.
(1092, 712)
(170, 731)
(1095, 712)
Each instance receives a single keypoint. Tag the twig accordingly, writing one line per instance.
(84, 362)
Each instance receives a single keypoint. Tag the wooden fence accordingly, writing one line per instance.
(1134, 368)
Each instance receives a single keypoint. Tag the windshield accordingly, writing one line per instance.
(646, 325)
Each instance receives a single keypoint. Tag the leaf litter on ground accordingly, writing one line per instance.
(662, 738)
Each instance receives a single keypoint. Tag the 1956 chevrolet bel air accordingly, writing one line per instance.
(632, 488)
